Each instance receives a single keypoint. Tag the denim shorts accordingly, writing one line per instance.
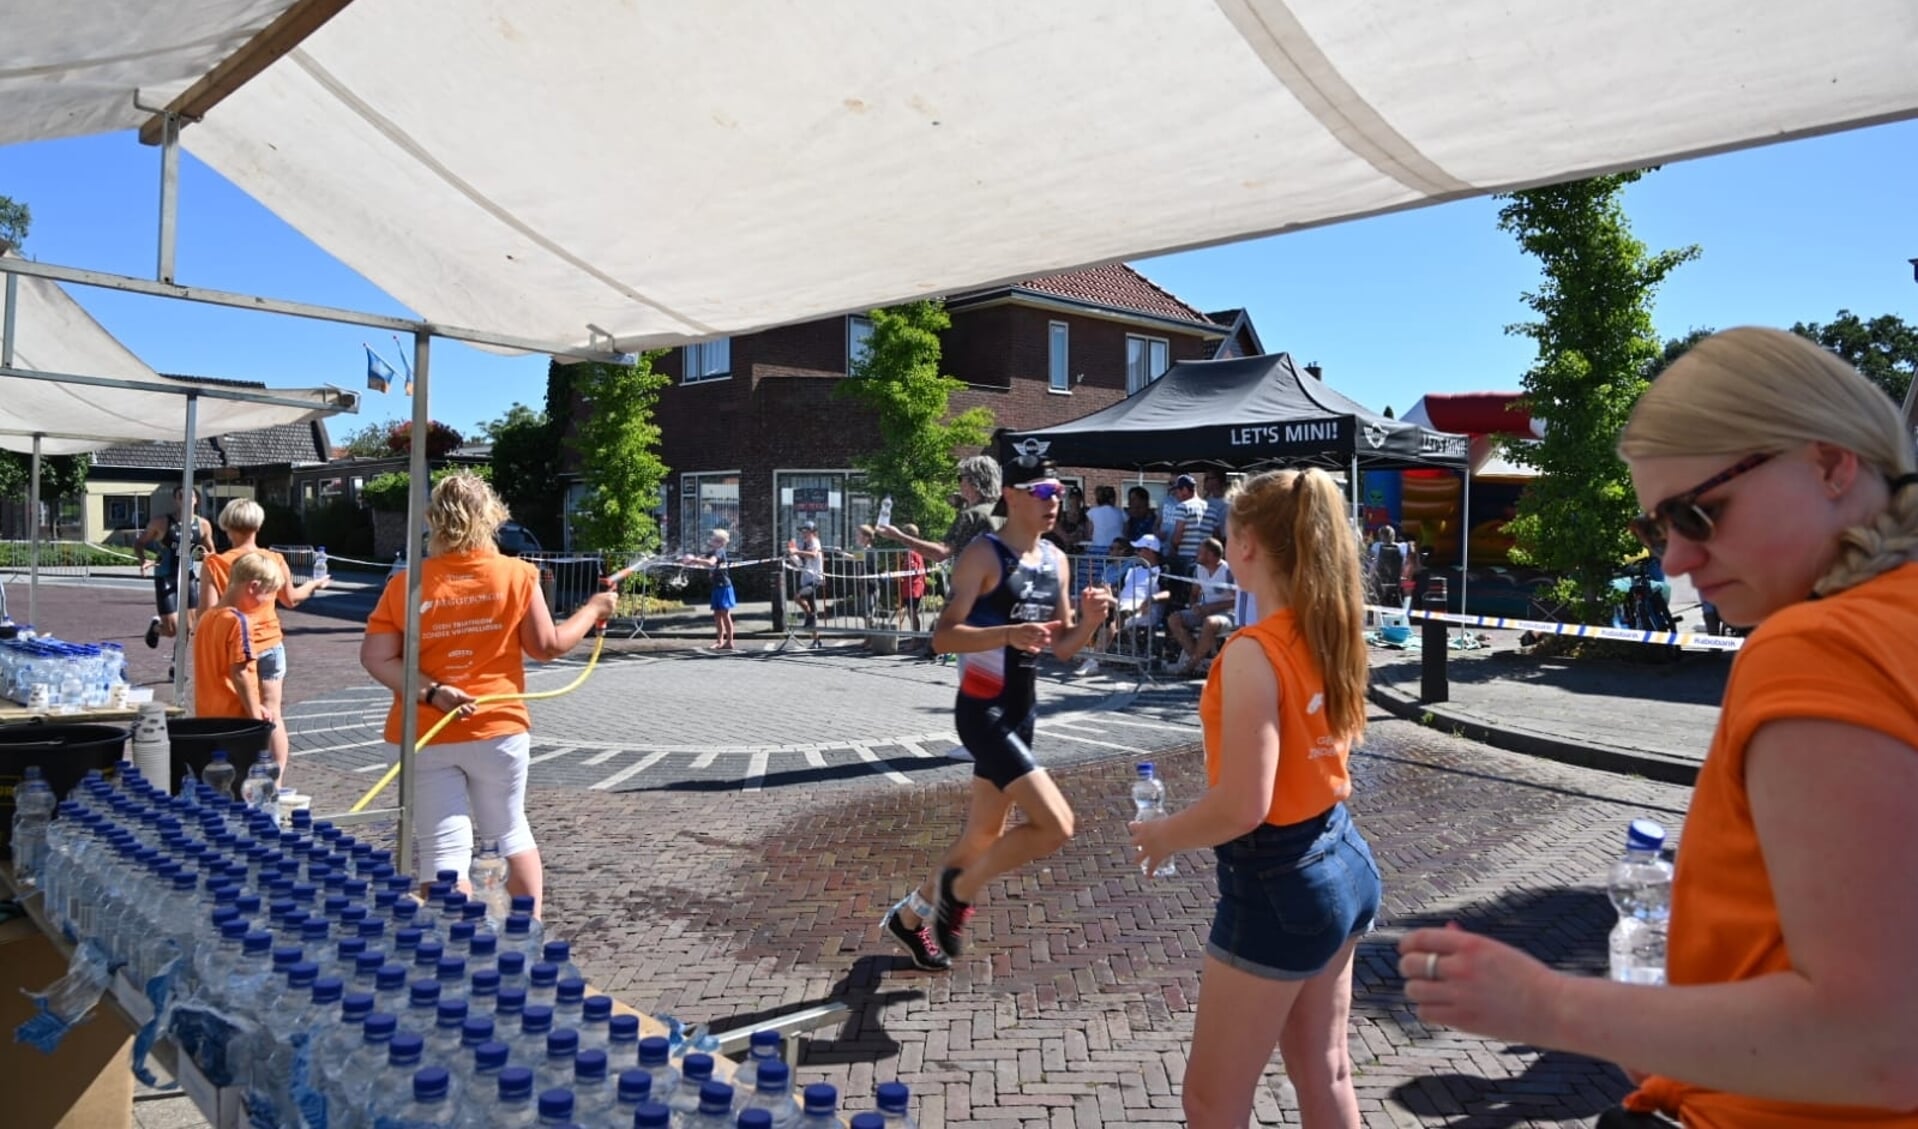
(273, 663)
(1291, 897)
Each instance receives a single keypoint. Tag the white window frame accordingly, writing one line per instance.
(1059, 357)
(856, 347)
(707, 360)
(1151, 350)
(836, 526)
(692, 528)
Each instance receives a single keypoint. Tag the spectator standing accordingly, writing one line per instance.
(718, 558)
(242, 519)
(1106, 520)
(1140, 517)
(809, 559)
(228, 684)
(978, 488)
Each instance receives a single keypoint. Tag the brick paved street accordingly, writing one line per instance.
(752, 883)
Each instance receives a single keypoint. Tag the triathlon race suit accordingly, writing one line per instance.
(997, 701)
(166, 573)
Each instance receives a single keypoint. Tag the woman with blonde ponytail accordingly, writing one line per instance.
(1282, 709)
(1784, 483)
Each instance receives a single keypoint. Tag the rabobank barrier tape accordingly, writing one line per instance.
(1581, 630)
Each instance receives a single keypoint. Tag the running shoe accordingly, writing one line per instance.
(949, 922)
(918, 943)
(153, 633)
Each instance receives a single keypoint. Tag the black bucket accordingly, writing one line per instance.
(64, 753)
(191, 740)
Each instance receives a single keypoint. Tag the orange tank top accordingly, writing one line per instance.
(1850, 658)
(267, 633)
(1312, 774)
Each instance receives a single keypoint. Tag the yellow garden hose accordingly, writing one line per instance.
(575, 684)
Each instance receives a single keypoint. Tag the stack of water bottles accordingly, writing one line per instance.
(297, 966)
(1640, 885)
(42, 672)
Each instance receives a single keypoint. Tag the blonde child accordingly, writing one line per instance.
(724, 599)
(228, 682)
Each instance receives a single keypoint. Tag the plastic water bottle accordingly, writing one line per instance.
(320, 569)
(219, 775)
(529, 1044)
(754, 1118)
(697, 1071)
(622, 1041)
(595, 1028)
(634, 1089)
(555, 1071)
(443, 1042)
(1148, 796)
(1640, 885)
(822, 1107)
(773, 1092)
(559, 954)
(481, 1077)
(592, 1093)
(514, 1108)
(544, 987)
(867, 1121)
(649, 1115)
(260, 792)
(569, 1003)
(432, 1104)
(761, 1049)
(656, 1059)
(714, 1110)
(389, 1091)
(895, 1105)
(33, 804)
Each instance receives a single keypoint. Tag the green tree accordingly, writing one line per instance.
(526, 468)
(898, 378)
(1595, 344)
(1675, 348)
(368, 441)
(387, 492)
(61, 476)
(15, 219)
(1885, 349)
(618, 444)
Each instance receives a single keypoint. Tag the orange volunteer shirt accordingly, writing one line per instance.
(265, 622)
(221, 642)
(471, 605)
(1312, 763)
(1850, 658)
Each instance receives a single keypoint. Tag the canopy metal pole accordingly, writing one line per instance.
(33, 524)
(183, 567)
(1465, 541)
(1358, 523)
(169, 194)
(415, 519)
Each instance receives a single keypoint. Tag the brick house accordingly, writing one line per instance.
(757, 441)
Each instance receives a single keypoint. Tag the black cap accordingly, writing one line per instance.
(1021, 469)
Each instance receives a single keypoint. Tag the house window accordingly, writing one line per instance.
(858, 342)
(835, 499)
(1146, 359)
(1057, 355)
(707, 502)
(127, 511)
(709, 360)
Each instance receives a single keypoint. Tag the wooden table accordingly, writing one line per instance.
(21, 715)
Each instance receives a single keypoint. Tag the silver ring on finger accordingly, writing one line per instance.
(1431, 966)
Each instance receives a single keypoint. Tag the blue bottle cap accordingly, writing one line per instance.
(822, 1098)
(483, 946)
(545, 975)
(715, 1097)
(379, 1026)
(622, 1028)
(572, 990)
(235, 930)
(590, 1065)
(491, 1055)
(486, 982)
(557, 952)
(893, 1097)
(755, 1119)
(392, 977)
(515, 1084)
(429, 1084)
(512, 964)
(405, 1049)
(258, 941)
(424, 993)
(461, 933)
(654, 1050)
(522, 903)
(764, 1040)
(867, 1120)
(429, 953)
(598, 1008)
(356, 1005)
(370, 963)
(372, 930)
(556, 1105)
(451, 1013)
(635, 1086)
(535, 1019)
(475, 1029)
(774, 1075)
(511, 1001)
(563, 1042)
(1644, 835)
(328, 989)
(302, 974)
(651, 1115)
(450, 969)
(698, 1067)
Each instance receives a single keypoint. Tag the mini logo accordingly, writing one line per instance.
(1033, 447)
(1317, 702)
(1375, 435)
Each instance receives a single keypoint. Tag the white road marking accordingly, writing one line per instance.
(1056, 731)
(628, 772)
(603, 756)
(755, 773)
(544, 757)
(338, 748)
(872, 759)
(1111, 720)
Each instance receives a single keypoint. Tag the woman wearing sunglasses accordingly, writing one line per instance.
(1783, 483)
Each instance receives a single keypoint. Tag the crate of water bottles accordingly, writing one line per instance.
(44, 673)
(297, 971)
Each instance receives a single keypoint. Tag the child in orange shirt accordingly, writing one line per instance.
(227, 682)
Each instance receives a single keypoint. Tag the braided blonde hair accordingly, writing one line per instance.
(1752, 390)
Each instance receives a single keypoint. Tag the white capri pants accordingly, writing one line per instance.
(467, 786)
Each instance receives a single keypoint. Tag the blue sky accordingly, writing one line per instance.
(1392, 307)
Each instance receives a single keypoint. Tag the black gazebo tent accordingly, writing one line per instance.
(1241, 414)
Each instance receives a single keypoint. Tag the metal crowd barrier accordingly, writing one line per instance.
(79, 559)
(863, 592)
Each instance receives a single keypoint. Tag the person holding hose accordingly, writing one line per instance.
(480, 612)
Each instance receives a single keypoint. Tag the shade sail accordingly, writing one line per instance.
(53, 334)
(1243, 413)
(668, 171)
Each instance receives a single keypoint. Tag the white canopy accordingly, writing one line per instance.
(53, 334)
(669, 171)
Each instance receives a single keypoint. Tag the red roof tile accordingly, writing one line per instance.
(1118, 287)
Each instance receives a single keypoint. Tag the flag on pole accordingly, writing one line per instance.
(400, 351)
(379, 374)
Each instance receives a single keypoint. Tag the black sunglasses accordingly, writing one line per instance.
(1692, 519)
